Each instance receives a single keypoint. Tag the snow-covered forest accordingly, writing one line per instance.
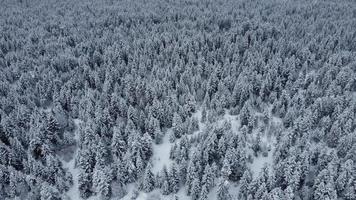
(178, 99)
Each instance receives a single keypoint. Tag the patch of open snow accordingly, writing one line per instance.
(260, 161)
(48, 109)
(277, 120)
(270, 142)
(142, 196)
(77, 123)
(198, 114)
(234, 191)
(161, 153)
(73, 192)
(235, 122)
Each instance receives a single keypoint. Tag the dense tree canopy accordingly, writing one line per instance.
(228, 82)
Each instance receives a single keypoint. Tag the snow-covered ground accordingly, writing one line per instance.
(161, 152)
(73, 192)
(235, 122)
(260, 161)
(160, 158)
(268, 141)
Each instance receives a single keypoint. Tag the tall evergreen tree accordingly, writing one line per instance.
(223, 190)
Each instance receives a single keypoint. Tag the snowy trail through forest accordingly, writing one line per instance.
(73, 193)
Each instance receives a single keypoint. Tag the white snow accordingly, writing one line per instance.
(161, 153)
(235, 122)
(157, 195)
(260, 161)
(130, 190)
(234, 191)
(73, 192)
(198, 115)
(270, 142)
(161, 158)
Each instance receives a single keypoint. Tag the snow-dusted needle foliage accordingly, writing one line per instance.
(178, 99)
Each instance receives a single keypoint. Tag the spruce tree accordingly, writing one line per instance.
(148, 180)
(223, 190)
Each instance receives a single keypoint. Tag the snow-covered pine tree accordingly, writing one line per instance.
(223, 190)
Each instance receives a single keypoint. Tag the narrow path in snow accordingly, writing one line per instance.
(73, 192)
